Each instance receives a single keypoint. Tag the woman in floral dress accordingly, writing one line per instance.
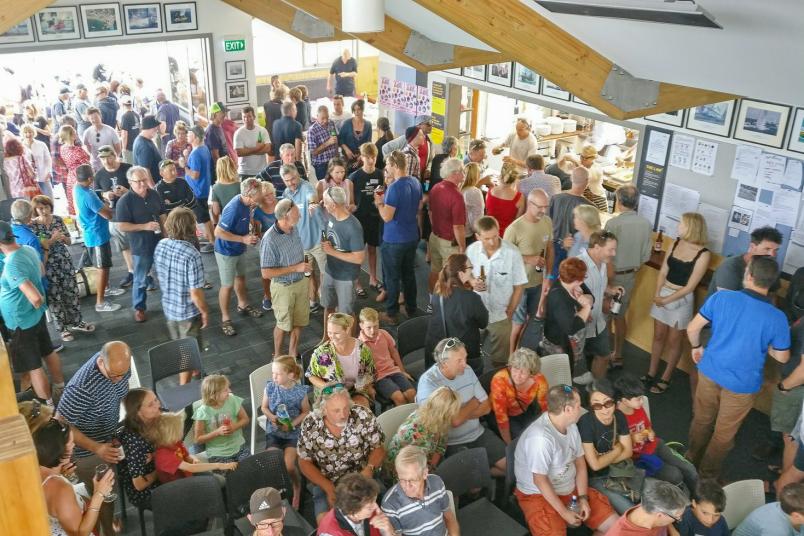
(62, 292)
(178, 149)
(73, 156)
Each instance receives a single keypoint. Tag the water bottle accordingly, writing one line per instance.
(159, 229)
(283, 416)
(574, 506)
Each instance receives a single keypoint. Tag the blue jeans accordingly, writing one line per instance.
(46, 188)
(320, 170)
(399, 271)
(142, 265)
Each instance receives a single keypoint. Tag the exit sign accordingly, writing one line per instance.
(234, 45)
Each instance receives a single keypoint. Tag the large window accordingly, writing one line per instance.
(321, 55)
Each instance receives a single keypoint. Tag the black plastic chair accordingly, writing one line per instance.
(306, 356)
(262, 470)
(489, 420)
(511, 505)
(169, 359)
(185, 501)
(410, 339)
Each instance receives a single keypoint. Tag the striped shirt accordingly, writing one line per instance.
(281, 250)
(91, 403)
(418, 517)
(178, 265)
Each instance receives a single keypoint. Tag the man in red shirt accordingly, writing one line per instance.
(662, 505)
(447, 217)
(426, 148)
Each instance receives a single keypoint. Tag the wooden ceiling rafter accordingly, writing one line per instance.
(282, 15)
(12, 12)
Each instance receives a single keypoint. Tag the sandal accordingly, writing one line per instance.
(659, 387)
(249, 311)
(67, 336)
(647, 380)
(376, 288)
(228, 328)
(361, 292)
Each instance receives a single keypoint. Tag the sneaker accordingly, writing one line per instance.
(207, 248)
(150, 283)
(429, 309)
(127, 281)
(106, 307)
(86, 327)
(315, 307)
(112, 292)
(266, 304)
(584, 379)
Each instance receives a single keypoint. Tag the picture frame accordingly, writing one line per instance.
(675, 118)
(237, 91)
(101, 20)
(476, 72)
(716, 118)
(58, 24)
(454, 70)
(235, 113)
(796, 142)
(762, 122)
(19, 33)
(142, 18)
(236, 70)
(499, 74)
(181, 17)
(550, 89)
(526, 79)
(577, 99)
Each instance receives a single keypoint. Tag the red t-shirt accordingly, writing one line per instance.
(624, 527)
(638, 422)
(424, 148)
(381, 352)
(447, 208)
(168, 460)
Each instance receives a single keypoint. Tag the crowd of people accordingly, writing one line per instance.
(316, 198)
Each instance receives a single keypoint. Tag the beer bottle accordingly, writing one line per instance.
(541, 254)
(482, 273)
(657, 246)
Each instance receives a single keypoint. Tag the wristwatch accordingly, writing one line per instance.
(584, 497)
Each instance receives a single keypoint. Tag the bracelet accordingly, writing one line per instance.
(695, 347)
(93, 509)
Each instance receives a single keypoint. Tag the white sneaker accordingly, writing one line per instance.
(106, 307)
(111, 292)
(584, 379)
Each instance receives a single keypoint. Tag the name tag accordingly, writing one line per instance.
(374, 181)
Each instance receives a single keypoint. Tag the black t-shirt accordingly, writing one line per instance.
(561, 320)
(564, 177)
(41, 122)
(273, 112)
(132, 208)
(175, 194)
(285, 130)
(601, 436)
(105, 180)
(435, 169)
(344, 85)
(796, 347)
(130, 122)
(364, 184)
(465, 316)
(380, 158)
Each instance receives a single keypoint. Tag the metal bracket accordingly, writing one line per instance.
(628, 93)
(428, 52)
(311, 27)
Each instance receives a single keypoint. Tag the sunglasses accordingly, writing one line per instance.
(671, 516)
(334, 388)
(449, 345)
(607, 404)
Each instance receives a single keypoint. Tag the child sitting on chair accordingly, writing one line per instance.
(393, 382)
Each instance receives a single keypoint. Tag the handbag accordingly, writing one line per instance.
(623, 476)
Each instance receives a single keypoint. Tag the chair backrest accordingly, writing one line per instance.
(466, 470)
(306, 356)
(556, 369)
(256, 381)
(410, 335)
(185, 500)
(262, 470)
(742, 498)
(486, 377)
(646, 405)
(134, 379)
(390, 420)
(170, 358)
(510, 476)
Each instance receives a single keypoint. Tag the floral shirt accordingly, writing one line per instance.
(325, 364)
(412, 432)
(336, 456)
(506, 400)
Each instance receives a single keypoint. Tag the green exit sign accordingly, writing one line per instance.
(234, 45)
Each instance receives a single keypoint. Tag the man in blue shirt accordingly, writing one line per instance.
(167, 113)
(783, 518)
(232, 235)
(199, 177)
(22, 304)
(214, 137)
(21, 213)
(93, 217)
(146, 154)
(288, 130)
(745, 327)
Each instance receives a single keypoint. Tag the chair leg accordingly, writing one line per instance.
(143, 532)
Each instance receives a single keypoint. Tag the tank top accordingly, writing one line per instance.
(55, 526)
(350, 365)
(678, 271)
(504, 210)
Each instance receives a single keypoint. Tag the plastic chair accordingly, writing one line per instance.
(391, 420)
(306, 356)
(262, 470)
(742, 498)
(133, 383)
(186, 500)
(167, 360)
(410, 335)
(256, 381)
(512, 504)
(556, 369)
(646, 405)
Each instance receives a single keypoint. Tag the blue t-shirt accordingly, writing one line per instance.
(266, 220)
(767, 520)
(88, 206)
(309, 226)
(234, 219)
(285, 130)
(690, 526)
(404, 195)
(292, 399)
(744, 325)
(200, 160)
(26, 237)
(20, 266)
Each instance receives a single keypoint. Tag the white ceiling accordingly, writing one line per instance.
(759, 53)
(431, 25)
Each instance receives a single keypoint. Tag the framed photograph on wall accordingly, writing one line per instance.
(713, 118)
(478, 72)
(237, 91)
(101, 20)
(20, 33)
(181, 17)
(236, 70)
(576, 98)
(456, 70)
(796, 142)
(675, 118)
(500, 74)
(143, 18)
(58, 24)
(526, 79)
(552, 90)
(762, 122)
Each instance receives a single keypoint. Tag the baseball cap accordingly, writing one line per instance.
(588, 151)
(265, 503)
(215, 108)
(198, 132)
(166, 162)
(149, 122)
(411, 132)
(84, 172)
(7, 236)
(80, 86)
(64, 90)
(106, 150)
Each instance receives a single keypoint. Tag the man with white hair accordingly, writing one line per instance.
(288, 130)
(418, 504)
(272, 172)
(448, 218)
(345, 249)
(450, 369)
(561, 210)
(339, 437)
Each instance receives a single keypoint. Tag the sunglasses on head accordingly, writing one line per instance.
(449, 345)
(335, 387)
(607, 404)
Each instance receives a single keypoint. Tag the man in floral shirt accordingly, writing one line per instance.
(337, 439)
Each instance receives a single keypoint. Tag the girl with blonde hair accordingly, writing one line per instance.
(472, 198)
(219, 421)
(586, 220)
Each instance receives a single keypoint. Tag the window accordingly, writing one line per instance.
(321, 55)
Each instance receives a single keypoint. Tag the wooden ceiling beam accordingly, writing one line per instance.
(286, 17)
(534, 41)
(394, 39)
(12, 12)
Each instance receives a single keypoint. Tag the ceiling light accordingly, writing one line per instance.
(362, 16)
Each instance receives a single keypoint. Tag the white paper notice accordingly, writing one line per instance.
(676, 201)
(746, 164)
(716, 219)
(764, 217)
(771, 169)
(785, 206)
(681, 152)
(657, 147)
(792, 174)
(647, 208)
(795, 253)
(703, 161)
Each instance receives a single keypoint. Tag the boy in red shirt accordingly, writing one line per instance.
(393, 381)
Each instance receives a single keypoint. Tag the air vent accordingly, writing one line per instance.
(683, 12)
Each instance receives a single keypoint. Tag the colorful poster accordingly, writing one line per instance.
(385, 92)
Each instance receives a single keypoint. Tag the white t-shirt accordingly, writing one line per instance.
(545, 451)
(521, 149)
(246, 139)
(94, 140)
(503, 270)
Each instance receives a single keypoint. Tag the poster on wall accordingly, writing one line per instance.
(422, 101)
(101, 20)
(58, 24)
(653, 170)
(20, 33)
(386, 92)
(438, 110)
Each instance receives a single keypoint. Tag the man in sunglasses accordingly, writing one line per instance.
(662, 505)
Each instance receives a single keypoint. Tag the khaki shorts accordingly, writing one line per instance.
(627, 281)
(786, 409)
(440, 250)
(498, 341)
(180, 329)
(291, 308)
(318, 258)
(230, 267)
(119, 239)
